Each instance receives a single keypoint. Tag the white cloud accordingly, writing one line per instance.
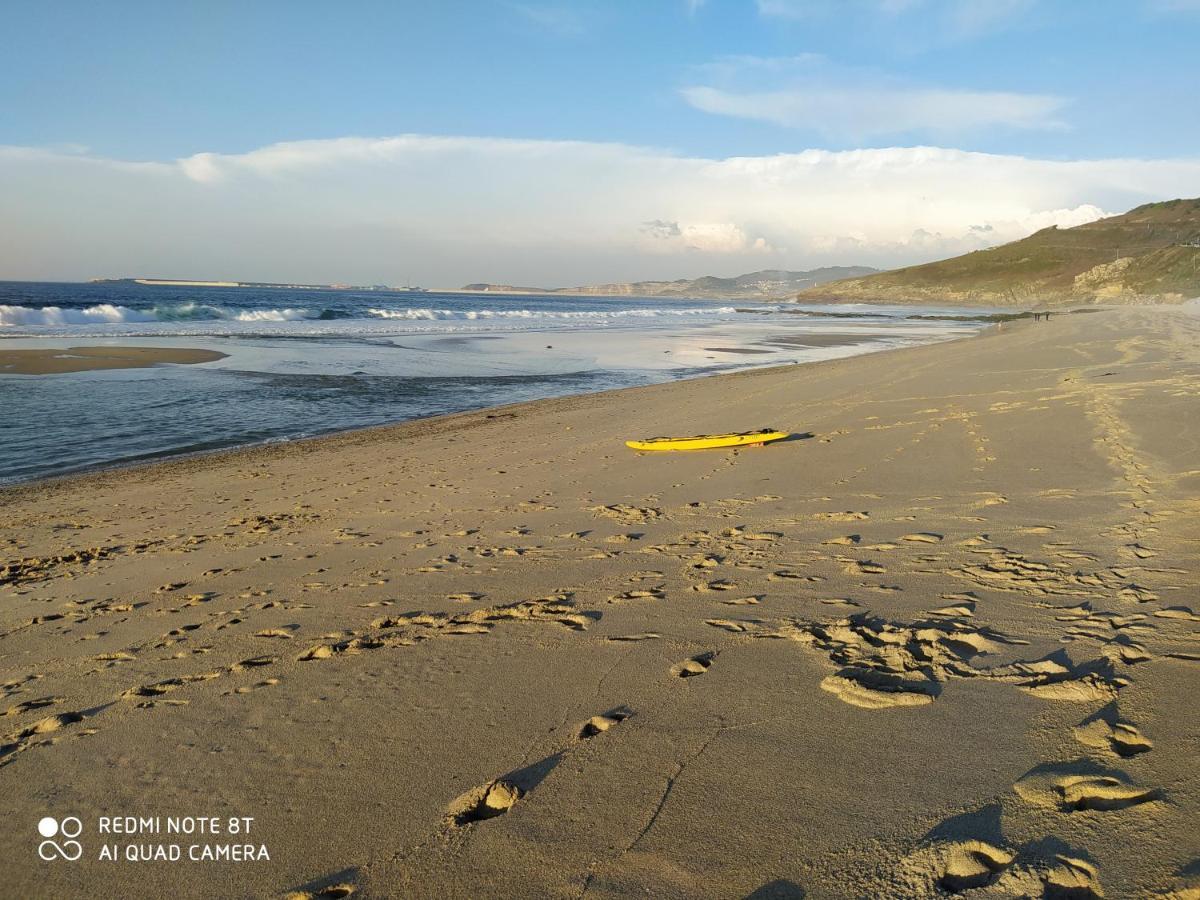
(201, 167)
(857, 113)
(450, 210)
(715, 238)
(809, 92)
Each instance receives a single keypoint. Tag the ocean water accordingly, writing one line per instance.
(305, 362)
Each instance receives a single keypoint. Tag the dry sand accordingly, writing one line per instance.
(945, 640)
(50, 361)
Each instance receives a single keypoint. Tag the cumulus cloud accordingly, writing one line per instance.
(702, 237)
(451, 210)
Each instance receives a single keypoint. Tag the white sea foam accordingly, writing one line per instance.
(111, 314)
(198, 318)
(271, 315)
(57, 316)
(349, 321)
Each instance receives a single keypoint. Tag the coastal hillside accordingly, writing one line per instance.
(767, 284)
(1150, 254)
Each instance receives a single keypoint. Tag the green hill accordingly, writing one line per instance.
(1150, 254)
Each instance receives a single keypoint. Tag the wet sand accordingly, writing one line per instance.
(819, 339)
(947, 639)
(50, 361)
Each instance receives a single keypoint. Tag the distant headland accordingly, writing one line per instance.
(767, 284)
(184, 282)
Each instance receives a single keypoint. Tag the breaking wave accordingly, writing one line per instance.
(112, 314)
(104, 313)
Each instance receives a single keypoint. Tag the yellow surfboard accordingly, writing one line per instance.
(709, 441)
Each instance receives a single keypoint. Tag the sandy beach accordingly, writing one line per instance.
(51, 361)
(943, 641)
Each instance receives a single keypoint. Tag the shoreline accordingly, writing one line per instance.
(171, 457)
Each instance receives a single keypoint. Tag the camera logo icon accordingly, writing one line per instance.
(68, 829)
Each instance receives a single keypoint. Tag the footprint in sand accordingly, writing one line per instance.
(788, 575)
(638, 594)
(1069, 789)
(159, 688)
(743, 601)
(252, 663)
(923, 537)
(731, 625)
(643, 636)
(624, 538)
(50, 723)
(484, 802)
(873, 689)
(645, 575)
(30, 705)
(970, 864)
(843, 541)
(1073, 879)
(245, 689)
(601, 723)
(958, 864)
(1105, 731)
(719, 585)
(693, 666)
(332, 892)
(468, 628)
(320, 651)
(281, 633)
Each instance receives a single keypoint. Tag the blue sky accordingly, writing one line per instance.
(97, 85)
(156, 80)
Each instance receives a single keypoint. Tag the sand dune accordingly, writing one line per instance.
(943, 642)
